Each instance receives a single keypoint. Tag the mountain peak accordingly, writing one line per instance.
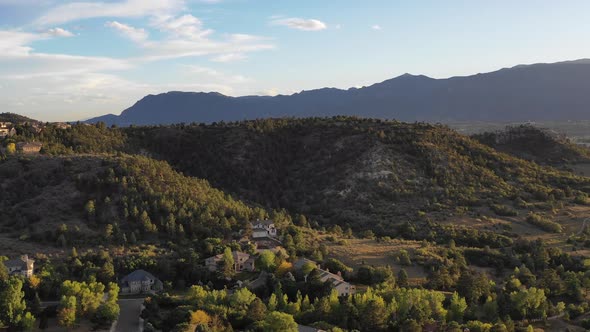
(509, 94)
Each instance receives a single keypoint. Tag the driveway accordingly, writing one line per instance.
(129, 320)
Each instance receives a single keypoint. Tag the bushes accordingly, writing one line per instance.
(543, 223)
(503, 210)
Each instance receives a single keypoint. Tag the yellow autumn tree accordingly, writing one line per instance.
(34, 281)
(284, 268)
(200, 317)
(11, 148)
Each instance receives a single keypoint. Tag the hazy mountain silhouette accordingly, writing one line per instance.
(557, 91)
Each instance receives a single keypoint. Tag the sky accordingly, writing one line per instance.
(72, 60)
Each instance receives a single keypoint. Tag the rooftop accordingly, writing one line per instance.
(138, 275)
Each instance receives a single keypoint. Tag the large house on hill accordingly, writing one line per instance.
(6, 129)
(29, 147)
(20, 266)
(343, 288)
(242, 262)
(263, 228)
(140, 281)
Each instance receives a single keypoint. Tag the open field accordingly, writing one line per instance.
(358, 252)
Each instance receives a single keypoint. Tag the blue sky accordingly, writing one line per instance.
(70, 60)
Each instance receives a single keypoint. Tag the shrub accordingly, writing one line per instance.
(543, 223)
(503, 210)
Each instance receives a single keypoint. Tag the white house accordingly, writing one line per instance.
(20, 266)
(263, 228)
(140, 281)
(344, 288)
(6, 129)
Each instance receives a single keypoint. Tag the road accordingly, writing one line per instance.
(129, 320)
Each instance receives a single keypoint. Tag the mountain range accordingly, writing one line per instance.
(538, 92)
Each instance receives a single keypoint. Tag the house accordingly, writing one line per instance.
(62, 125)
(20, 266)
(263, 228)
(242, 262)
(342, 287)
(298, 264)
(28, 147)
(140, 281)
(6, 129)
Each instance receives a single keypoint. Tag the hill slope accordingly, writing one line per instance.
(557, 91)
(539, 145)
(132, 194)
(367, 174)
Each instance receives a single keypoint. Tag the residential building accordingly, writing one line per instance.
(20, 266)
(242, 262)
(7, 129)
(298, 264)
(140, 281)
(29, 147)
(343, 287)
(263, 228)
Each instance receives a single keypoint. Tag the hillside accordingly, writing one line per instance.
(557, 91)
(397, 179)
(532, 143)
(15, 118)
(89, 200)
(367, 174)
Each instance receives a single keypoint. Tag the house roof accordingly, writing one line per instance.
(298, 264)
(235, 254)
(29, 144)
(263, 222)
(138, 275)
(19, 262)
(327, 275)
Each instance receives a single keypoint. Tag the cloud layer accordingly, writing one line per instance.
(300, 23)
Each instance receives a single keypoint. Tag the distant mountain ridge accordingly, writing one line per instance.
(556, 91)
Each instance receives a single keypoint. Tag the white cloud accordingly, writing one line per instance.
(15, 43)
(185, 27)
(229, 57)
(35, 65)
(300, 23)
(137, 35)
(218, 76)
(376, 27)
(75, 11)
(59, 32)
(186, 37)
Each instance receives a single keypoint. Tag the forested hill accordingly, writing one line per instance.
(536, 144)
(557, 91)
(367, 174)
(15, 118)
(384, 176)
(87, 200)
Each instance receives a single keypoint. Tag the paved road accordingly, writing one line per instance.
(129, 320)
